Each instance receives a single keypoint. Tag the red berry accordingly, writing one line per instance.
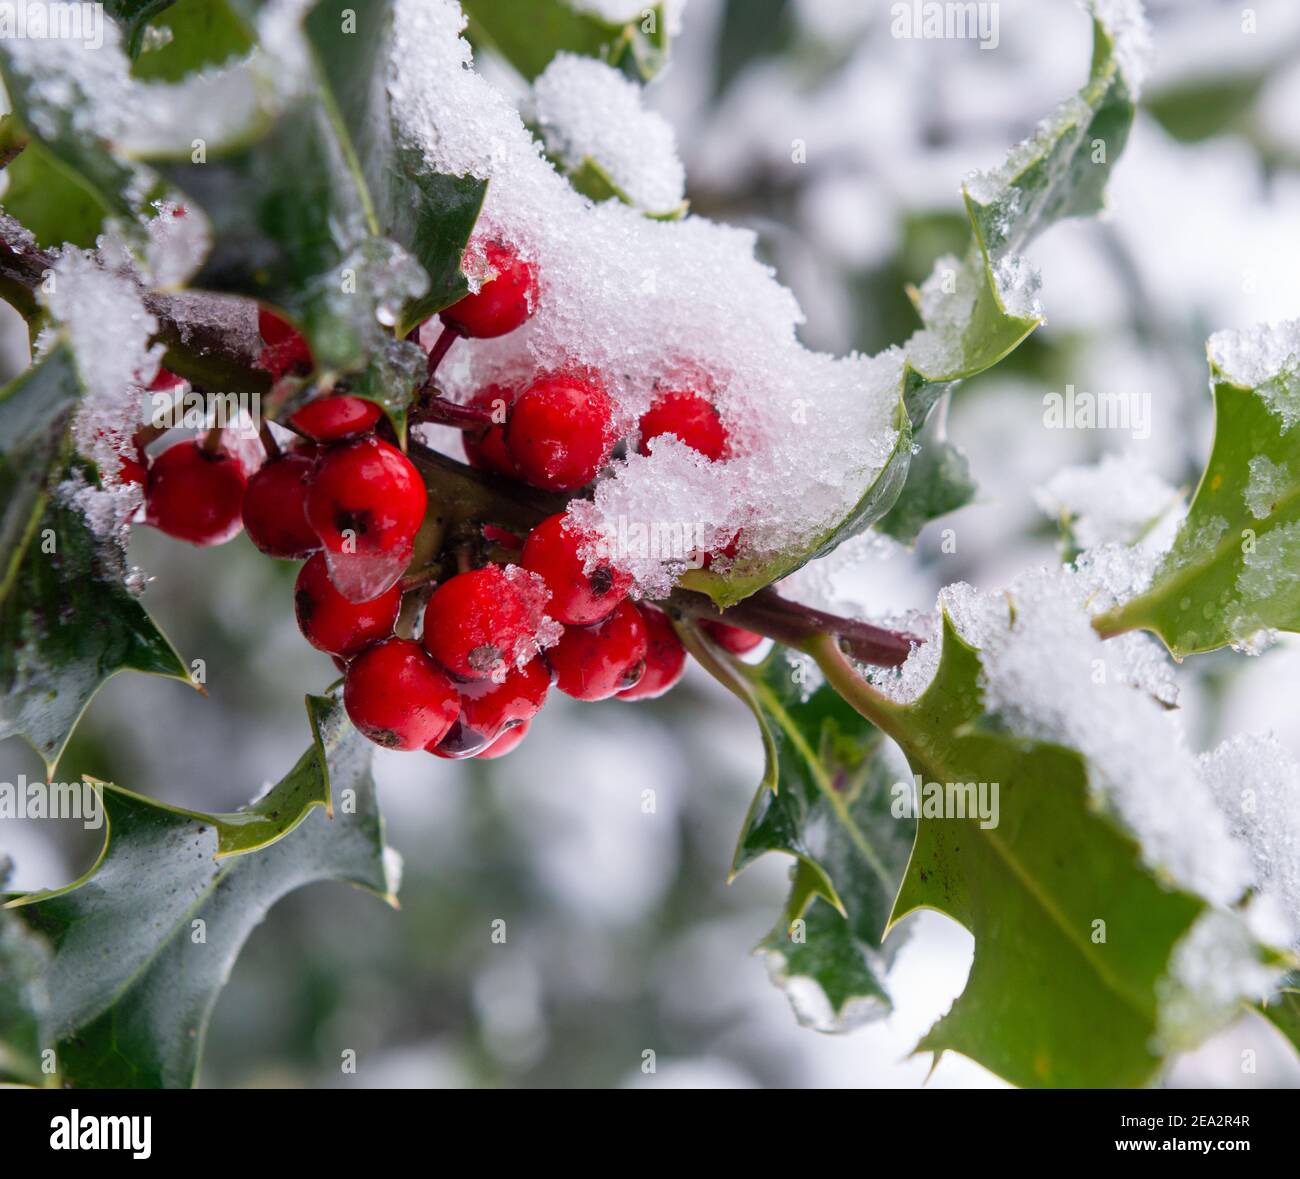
(561, 432)
(507, 540)
(397, 696)
(487, 709)
(690, 417)
(504, 300)
(665, 660)
(596, 662)
(506, 742)
(331, 419)
(485, 449)
(132, 464)
(285, 350)
(273, 329)
(133, 470)
(195, 494)
(165, 381)
(478, 624)
(275, 506)
(329, 622)
(731, 638)
(728, 550)
(578, 597)
(367, 499)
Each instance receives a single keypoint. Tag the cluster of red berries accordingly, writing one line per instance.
(478, 673)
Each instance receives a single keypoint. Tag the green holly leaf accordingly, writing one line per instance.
(835, 981)
(1283, 1010)
(83, 177)
(1074, 934)
(35, 411)
(1231, 570)
(67, 621)
(134, 16)
(191, 35)
(44, 195)
(67, 624)
(592, 179)
(529, 33)
(825, 799)
(977, 309)
(82, 168)
(144, 942)
(1207, 107)
(429, 214)
(24, 998)
(938, 482)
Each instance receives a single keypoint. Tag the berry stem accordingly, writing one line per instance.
(421, 577)
(148, 434)
(431, 406)
(212, 441)
(795, 625)
(269, 444)
(440, 348)
(879, 709)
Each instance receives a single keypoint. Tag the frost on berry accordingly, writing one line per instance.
(481, 624)
(631, 520)
(544, 631)
(503, 291)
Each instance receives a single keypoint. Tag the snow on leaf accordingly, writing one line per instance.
(1067, 988)
(593, 122)
(1229, 574)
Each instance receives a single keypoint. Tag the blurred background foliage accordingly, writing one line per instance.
(604, 844)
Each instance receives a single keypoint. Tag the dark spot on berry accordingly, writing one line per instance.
(601, 580)
(348, 521)
(385, 737)
(634, 674)
(305, 605)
